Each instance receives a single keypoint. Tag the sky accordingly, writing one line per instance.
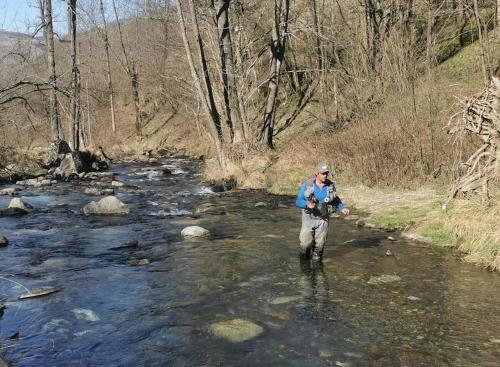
(23, 15)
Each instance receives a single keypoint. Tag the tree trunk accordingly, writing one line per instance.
(278, 45)
(49, 39)
(428, 50)
(131, 71)
(206, 99)
(108, 69)
(228, 71)
(314, 14)
(211, 105)
(497, 19)
(75, 77)
(135, 93)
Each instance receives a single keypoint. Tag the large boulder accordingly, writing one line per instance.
(56, 149)
(20, 204)
(195, 231)
(71, 165)
(110, 205)
(222, 185)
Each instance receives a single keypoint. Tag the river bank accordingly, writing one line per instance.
(468, 226)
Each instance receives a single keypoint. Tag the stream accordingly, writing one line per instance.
(372, 302)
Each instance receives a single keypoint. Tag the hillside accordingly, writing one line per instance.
(15, 46)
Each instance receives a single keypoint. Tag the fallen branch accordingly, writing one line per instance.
(480, 118)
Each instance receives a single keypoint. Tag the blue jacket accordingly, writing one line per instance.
(319, 194)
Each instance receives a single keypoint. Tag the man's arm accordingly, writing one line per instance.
(340, 206)
(301, 201)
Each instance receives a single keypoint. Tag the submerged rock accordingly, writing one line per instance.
(86, 314)
(21, 204)
(11, 212)
(138, 262)
(195, 231)
(382, 279)
(204, 208)
(94, 191)
(3, 241)
(209, 208)
(284, 299)
(260, 204)
(110, 205)
(236, 330)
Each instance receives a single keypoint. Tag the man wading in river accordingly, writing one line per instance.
(317, 199)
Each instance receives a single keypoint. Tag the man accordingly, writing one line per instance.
(317, 199)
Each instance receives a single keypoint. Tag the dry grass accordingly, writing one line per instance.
(477, 228)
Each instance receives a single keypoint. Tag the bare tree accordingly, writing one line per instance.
(278, 45)
(206, 98)
(130, 68)
(111, 92)
(228, 71)
(75, 77)
(46, 10)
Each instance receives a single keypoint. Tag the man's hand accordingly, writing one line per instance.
(345, 211)
(310, 205)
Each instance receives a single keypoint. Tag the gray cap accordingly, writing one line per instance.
(322, 168)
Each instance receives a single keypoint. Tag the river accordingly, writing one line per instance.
(372, 302)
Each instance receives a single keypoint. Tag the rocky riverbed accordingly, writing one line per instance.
(130, 288)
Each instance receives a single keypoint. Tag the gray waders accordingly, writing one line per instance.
(313, 234)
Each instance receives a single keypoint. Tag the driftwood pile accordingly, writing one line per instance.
(480, 117)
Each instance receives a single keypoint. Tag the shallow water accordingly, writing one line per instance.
(436, 311)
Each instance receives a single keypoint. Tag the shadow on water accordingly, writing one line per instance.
(134, 293)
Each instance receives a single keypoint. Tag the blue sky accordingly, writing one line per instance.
(23, 15)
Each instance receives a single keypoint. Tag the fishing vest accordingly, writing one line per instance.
(327, 206)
